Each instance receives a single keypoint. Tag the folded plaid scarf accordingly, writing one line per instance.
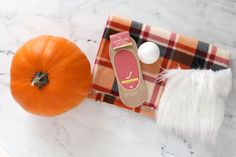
(175, 51)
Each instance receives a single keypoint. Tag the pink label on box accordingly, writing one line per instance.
(119, 40)
(127, 69)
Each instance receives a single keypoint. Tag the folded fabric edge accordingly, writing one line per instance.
(108, 98)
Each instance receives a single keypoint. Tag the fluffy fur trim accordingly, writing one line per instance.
(192, 104)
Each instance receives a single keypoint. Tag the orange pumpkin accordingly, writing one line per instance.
(49, 75)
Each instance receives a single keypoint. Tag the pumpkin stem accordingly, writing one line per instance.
(40, 79)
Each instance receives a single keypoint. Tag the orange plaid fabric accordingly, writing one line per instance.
(175, 51)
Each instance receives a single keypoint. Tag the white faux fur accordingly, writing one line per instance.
(192, 104)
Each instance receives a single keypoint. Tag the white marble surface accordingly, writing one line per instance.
(97, 129)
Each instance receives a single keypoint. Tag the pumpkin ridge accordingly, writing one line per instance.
(58, 53)
(43, 51)
(75, 64)
(24, 57)
(24, 60)
(67, 60)
(74, 51)
(76, 93)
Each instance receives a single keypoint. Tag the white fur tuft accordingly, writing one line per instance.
(192, 104)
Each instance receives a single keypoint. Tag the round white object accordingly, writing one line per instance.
(3, 153)
(148, 52)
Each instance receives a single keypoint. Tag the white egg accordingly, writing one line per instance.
(148, 52)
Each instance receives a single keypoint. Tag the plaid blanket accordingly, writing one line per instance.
(175, 51)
